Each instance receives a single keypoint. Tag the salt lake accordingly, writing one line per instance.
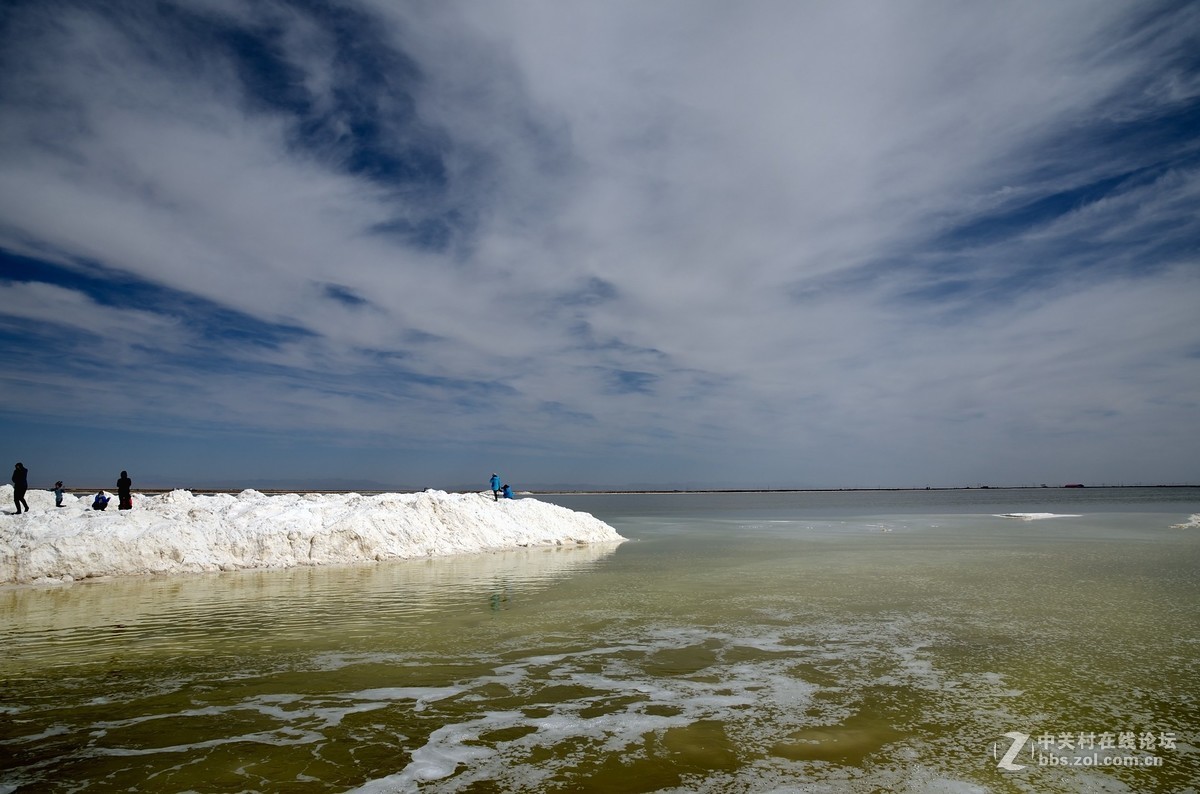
(810, 641)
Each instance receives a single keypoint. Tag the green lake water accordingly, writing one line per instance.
(815, 642)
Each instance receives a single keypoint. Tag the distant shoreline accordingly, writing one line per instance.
(856, 490)
(635, 491)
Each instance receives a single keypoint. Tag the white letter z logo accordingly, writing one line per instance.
(1006, 762)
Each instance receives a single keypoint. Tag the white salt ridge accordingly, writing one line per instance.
(180, 532)
(1191, 523)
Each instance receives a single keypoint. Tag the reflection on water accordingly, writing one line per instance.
(270, 608)
(725, 649)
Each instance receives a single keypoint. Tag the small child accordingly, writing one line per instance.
(100, 502)
(58, 489)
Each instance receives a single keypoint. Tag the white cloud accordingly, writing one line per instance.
(722, 169)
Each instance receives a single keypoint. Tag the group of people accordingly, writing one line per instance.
(124, 498)
(20, 480)
(498, 490)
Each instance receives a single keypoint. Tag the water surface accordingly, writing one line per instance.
(857, 641)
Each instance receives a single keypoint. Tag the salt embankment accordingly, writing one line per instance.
(180, 532)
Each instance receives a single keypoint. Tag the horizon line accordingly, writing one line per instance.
(635, 491)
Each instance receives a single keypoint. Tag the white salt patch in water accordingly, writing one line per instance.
(53, 730)
(329, 662)
(1036, 516)
(762, 779)
(942, 785)
(182, 532)
(355, 703)
(303, 725)
(420, 695)
(441, 755)
(619, 705)
(271, 738)
(757, 702)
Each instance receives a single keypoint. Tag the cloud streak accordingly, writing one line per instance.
(779, 244)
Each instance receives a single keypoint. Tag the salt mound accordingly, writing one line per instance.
(180, 532)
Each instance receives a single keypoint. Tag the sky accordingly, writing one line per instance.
(600, 244)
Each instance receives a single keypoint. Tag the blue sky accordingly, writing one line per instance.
(615, 243)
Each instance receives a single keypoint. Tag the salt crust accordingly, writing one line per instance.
(180, 532)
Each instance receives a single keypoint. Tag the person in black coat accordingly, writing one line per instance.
(124, 499)
(20, 486)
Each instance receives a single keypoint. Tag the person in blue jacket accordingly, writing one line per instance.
(507, 492)
(495, 486)
(100, 502)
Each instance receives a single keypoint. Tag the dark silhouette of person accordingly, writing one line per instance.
(124, 499)
(20, 486)
(58, 489)
(100, 502)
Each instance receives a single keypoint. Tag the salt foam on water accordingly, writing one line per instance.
(1037, 516)
(180, 532)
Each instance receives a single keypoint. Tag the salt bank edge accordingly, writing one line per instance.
(181, 532)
